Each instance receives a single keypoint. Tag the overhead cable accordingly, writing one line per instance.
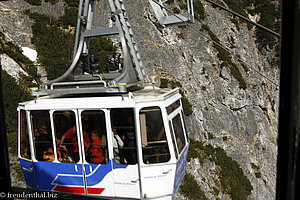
(244, 18)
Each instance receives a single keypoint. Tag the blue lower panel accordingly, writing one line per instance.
(28, 172)
(180, 168)
(52, 175)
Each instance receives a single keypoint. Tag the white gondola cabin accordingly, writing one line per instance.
(148, 162)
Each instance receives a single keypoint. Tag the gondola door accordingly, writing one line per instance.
(98, 174)
(57, 160)
(122, 139)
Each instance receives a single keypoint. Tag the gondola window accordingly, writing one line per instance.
(65, 130)
(178, 129)
(154, 141)
(42, 135)
(94, 136)
(123, 136)
(173, 140)
(24, 140)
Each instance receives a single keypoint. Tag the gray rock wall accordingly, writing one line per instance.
(247, 118)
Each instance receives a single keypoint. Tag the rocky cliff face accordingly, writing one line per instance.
(247, 118)
(241, 121)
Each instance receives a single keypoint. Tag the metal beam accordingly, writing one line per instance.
(101, 32)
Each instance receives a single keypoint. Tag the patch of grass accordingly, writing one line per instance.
(191, 189)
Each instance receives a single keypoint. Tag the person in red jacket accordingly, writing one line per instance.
(72, 134)
(95, 152)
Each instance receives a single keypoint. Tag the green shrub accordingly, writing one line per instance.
(231, 176)
(72, 3)
(199, 11)
(187, 106)
(164, 83)
(191, 189)
(12, 95)
(69, 18)
(12, 139)
(176, 10)
(34, 2)
(269, 16)
(210, 136)
(236, 6)
(54, 42)
(52, 1)
(54, 45)
(225, 56)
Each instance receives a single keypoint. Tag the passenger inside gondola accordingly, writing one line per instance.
(123, 126)
(94, 121)
(42, 133)
(63, 155)
(48, 155)
(71, 134)
(25, 148)
(95, 151)
(117, 145)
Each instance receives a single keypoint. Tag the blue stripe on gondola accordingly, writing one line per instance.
(180, 169)
(95, 177)
(49, 174)
(28, 172)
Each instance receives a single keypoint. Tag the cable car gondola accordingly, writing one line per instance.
(106, 135)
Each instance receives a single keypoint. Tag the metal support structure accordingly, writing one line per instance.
(165, 19)
(132, 72)
(288, 160)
